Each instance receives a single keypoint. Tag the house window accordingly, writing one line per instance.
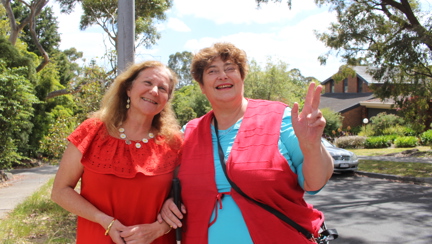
(359, 85)
(345, 85)
(332, 86)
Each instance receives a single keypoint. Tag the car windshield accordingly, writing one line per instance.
(326, 143)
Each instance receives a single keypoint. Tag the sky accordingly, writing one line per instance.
(272, 32)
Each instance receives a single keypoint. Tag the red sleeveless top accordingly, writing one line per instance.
(125, 182)
(257, 167)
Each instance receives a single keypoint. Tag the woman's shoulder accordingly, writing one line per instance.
(85, 131)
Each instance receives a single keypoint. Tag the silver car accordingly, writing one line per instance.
(344, 160)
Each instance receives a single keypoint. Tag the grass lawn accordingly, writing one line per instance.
(38, 220)
(426, 151)
(395, 168)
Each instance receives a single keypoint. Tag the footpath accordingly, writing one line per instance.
(22, 184)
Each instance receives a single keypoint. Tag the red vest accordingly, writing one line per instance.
(257, 167)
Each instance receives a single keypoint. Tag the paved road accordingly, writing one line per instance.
(368, 210)
(23, 184)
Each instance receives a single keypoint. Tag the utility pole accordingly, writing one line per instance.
(126, 34)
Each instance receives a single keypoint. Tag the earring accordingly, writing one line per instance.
(128, 103)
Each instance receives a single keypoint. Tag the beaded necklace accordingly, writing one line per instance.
(138, 143)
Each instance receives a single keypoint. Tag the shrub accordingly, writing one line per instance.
(426, 138)
(383, 121)
(406, 141)
(399, 130)
(378, 141)
(366, 130)
(350, 141)
(333, 122)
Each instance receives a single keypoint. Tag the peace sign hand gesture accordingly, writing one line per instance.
(308, 127)
(309, 124)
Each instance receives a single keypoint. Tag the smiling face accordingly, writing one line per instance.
(222, 81)
(149, 91)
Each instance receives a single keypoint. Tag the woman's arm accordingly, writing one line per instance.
(309, 126)
(64, 194)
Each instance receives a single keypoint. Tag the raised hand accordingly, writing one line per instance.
(309, 124)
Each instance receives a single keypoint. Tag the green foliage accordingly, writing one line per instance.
(46, 29)
(399, 130)
(367, 130)
(406, 141)
(350, 141)
(334, 121)
(55, 142)
(180, 64)
(104, 13)
(92, 89)
(190, 103)
(66, 66)
(15, 58)
(379, 141)
(415, 109)
(47, 82)
(69, 110)
(383, 121)
(16, 101)
(395, 40)
(275, 82)
(4, 23)
(426, 138)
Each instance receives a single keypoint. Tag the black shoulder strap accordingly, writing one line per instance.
(278, 214)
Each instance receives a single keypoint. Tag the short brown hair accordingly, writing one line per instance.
(224, 50)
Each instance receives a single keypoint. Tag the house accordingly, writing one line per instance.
(353, 98)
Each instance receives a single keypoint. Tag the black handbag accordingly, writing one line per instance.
(325, 235)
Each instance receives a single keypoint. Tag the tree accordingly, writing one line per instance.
(180, 63)
(4, 23)
(46, 30)
(104, 14)
(16, 100)
(190, 103)
(16, 26)
(393, 38)
(275, 82)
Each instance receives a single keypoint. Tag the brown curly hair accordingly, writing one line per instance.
(113, 107)
(224, 50)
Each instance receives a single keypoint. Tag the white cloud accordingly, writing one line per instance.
(289, 36)
(240, 11)
(296, 45)
(177, 25)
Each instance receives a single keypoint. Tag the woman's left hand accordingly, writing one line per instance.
(309, 127)
(309, 124)
(144, 233)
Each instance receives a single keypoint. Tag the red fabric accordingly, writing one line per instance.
(257, 167)
(124, 182)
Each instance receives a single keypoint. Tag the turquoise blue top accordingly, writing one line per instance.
(230, 226)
